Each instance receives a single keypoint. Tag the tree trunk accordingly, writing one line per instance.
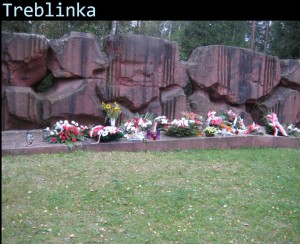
(114, 28)
(170, 30)
(253, 35)
(267, 36)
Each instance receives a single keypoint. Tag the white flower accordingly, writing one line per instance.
(58, 126)
(76, 124)
(132, 130)
(51, 133)
(104, 133)
(47, 128)
(185, 122)
(72, 122)
(61, 122)
(140, 122)
(164, 121)
(175, 122)
(160, 118)
(66, 122)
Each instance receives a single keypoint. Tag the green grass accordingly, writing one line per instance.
(193, 196)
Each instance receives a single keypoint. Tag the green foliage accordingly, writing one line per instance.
(269, 128)
(293, 133)
(45, 84)
(112, 137)
(16, 26)
(260, 35)
(188, 89)
(285, 39)
(210, 130)
(147, 116)
(203, 33)
(181, 131)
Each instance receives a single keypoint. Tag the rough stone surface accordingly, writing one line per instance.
(173, 102)
(143, 74)
(200, 103)
(24, 59)
(284, 102)
(235, 74)
(76, 55)
(73, 101)
(21, 108)
(139, 67)
(290, 72)
(182, 77)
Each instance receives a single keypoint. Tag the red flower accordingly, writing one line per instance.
(63, 138)
(75, 131)
(73, 139)
(136, 121)
(54, 139)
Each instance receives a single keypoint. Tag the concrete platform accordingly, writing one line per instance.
(14, 143)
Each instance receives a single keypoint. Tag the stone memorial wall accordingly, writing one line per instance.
(143, 74)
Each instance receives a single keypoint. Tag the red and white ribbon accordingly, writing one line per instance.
(276, 125)
(95, 130)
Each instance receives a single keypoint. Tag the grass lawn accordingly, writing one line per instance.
(193, 196)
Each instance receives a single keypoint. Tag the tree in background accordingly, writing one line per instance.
(278, 38)
(267, 34)
(258, 35)
(192, 34)
(253, 34)
(16, 26)
(285, 39)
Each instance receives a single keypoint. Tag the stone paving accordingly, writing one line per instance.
(14, 143)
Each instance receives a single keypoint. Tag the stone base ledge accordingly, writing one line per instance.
(14, 143)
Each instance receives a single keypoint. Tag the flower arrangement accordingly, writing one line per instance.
(210, 130)
(230, 116)
(112, 110)
(85, 130)
(137, 125)
(213, 120)
(210, 116)
(162, 122)
(64, 132)
(293, 131)
(105, 133)
(216, 121)
(194, 117)
(181, 128)
(232, 122)
(273, 126)
(254, 129)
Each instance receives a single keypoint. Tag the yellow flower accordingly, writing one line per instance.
(116, 109)
(112, 110)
